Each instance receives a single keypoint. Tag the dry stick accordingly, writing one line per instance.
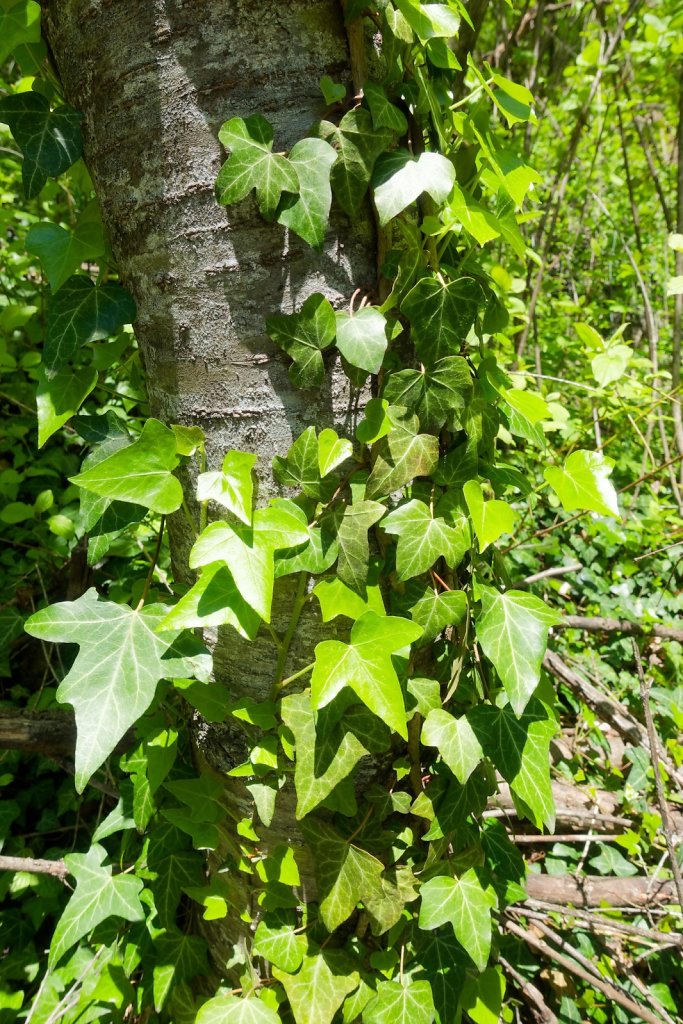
(568, 837)
(595, 922)
(606, 987)
(562, 174)
(556, 570)
(598, 624)
(659, 787)
(37, 866)
(537, 1003)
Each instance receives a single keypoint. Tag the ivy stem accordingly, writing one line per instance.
(155, 559)
(297, 675)
(297, 608)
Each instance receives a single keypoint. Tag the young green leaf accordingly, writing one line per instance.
(429, 21)
(399, 179)
(82, 312)
(358, 144)
(455, 741)
(214, 600)
(362, 338)
(253, 165)
(441, 316)
(19, 24)
(364, 664)
(435, 611)
(308, 212)
(232, 487)
(406, 1003)
(332, 451)
(354, 547)
(338, 599)
(228, 1009)
(490, 519)
(50, 140)
(62, 252)
(317, 991)
(59, 397)
(345, 873)
(423, 539)
(512, 629)
(583, 483)
(304, 336)
(114, 677)
(283, 947)
(466, 904)
(97, 896)
(248, 558)
(141, 472)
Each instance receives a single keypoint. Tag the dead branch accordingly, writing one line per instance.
(52, 733)
(537, 1004)
(637, 891)
(36, 866)
(598, 624)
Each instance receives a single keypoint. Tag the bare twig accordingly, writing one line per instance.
(659, 787)
(537, 1003)
(35, 865)
(555, 570)
(598, 624)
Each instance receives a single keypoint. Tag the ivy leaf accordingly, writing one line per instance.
(253, 165)
(232, 487)
(332, 451)
(441, 316)
(229, 1009)
(384, 113)
(300, 468)
(59, 397)
(303, 336)
(249, 560)
(319, 988)
(282, 947)
(19, 24)
(362, 338)
(214, 600)
(114, 677)
(337, 599)
(141, 472)
(324, 757)
(399, 179)
(354, 547)
(423, 539)
(386, 909)
(365, 666)
(345, 873)
(396, 1003)
(429, 21)
(490, 519)
(519, 748)
(82, 312)
(400, 457)
(62, 252)
(309, 212)
(436, 611)
(512, 629)
(358, 144)
(177, 958)
(98, 895)
(445, 967)
(582, 483)
(466, 904)
(455, 740)
(375, 422)
(50, 140)
(435, 395)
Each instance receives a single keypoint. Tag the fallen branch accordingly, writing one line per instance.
(56, 868)
(51, 733)
(569, 964)
(598, 624)
(598, 923)
(636, 891)
(537, 1004)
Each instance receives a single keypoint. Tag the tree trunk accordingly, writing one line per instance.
(154, 82)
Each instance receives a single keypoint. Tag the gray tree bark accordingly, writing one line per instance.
(155, 81)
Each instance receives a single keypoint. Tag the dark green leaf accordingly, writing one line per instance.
(358, 144)
(50, 140)
(441, 316)
(82, 312)
(253, 165)
(303, 336)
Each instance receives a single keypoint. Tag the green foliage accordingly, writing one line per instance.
(413, 536)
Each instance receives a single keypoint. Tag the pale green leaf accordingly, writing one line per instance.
(455, 741)
(332, 451)
(423, 539)
(253, 165)
(319, 988)
(248, 558)
(674, 286)
(308, 213)
(229, 1009)
(283, 947)
(490, 519)
(361, 338)
(611, 365)
(281, 524)
(512, 629)
(399, 179)
(364, 665)
(214, 600)
(482, 997)
(345, 874)
(464, 903)
(114, 677)
(407, 1003)
(97, 896)
(429, 21)
(375, 422)
(19, 24)
(354, 546)
(141, 472)
(62, 252)
(475, 218)
(434, 611)
(232, 487)
(583, 483)
(338, 599)
(59, 397)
